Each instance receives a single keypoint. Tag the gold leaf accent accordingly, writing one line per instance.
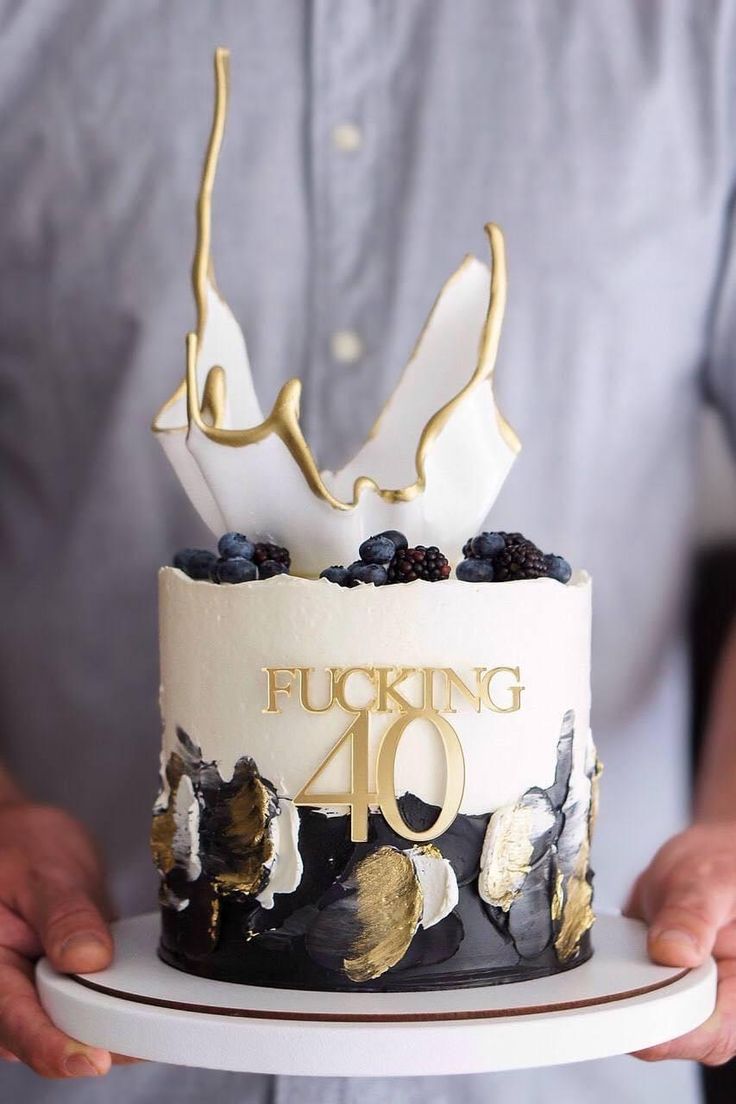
(214, 918)
(389, 907)
(246, 828)
(577, 911)
(558, 897)
(163, 825)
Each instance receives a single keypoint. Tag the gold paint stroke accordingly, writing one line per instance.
(248, 816)
(577, 911)
(163, 825)
(389, 908)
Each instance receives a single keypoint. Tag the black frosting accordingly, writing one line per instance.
(302, 942)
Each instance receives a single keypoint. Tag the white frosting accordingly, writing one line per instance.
(287, 868)
(438, 884)
(216, 641)
(185, 845)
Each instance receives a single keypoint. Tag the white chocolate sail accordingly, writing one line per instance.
(257, 475)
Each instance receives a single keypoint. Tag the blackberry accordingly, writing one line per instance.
(264, 550)
(520, 559)
(418, 563)
(268, 568)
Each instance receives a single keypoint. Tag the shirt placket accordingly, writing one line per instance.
(344, 153)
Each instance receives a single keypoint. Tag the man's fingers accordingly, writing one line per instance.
(27, 1033)
(714, 1042)
(17, 934)
(71, 928)
(684, 928)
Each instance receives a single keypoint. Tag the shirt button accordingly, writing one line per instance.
(347, 137)
(346, 346)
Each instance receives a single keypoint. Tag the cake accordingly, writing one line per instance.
(377, 766)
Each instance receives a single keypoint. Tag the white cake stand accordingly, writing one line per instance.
(616, 1003)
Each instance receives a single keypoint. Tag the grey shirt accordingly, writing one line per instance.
(600, 135)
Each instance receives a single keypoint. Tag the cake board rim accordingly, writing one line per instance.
(615, 1003)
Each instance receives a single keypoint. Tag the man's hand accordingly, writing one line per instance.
(52, 902)
(688, 897)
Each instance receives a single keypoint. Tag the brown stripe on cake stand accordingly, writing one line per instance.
(383, 1017)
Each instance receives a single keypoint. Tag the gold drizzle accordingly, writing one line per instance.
(202, 265)
(577, 911)
(283, 421)
(389, 908)
(248, 816)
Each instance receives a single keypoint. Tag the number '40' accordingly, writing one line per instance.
(359, 798)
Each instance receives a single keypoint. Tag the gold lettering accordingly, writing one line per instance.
(452, 679)
(340, 678)
(388, 690)
(274, 688)
(515, 690)
(304, 673)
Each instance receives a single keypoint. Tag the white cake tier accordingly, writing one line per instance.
(521, 649)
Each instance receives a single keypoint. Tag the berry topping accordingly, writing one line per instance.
(418, 563)
(520, 559)
(266, 551)
(337, 574)
(361, 572)
(235, 569)
(378, 550)
(232, 545)
(195, 562)
(475, 571)
(269, 568)
(486, 545)
(510, 556)
(397, 539)
(558, 568)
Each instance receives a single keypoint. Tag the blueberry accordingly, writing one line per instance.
(558, 568)
(487, 545)
(475, 571)
(232, 545)
(195, 562)
(235, 569)
(360, 572)
(398, 539)
(269, 568)
(335, 574)
(377, 550)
